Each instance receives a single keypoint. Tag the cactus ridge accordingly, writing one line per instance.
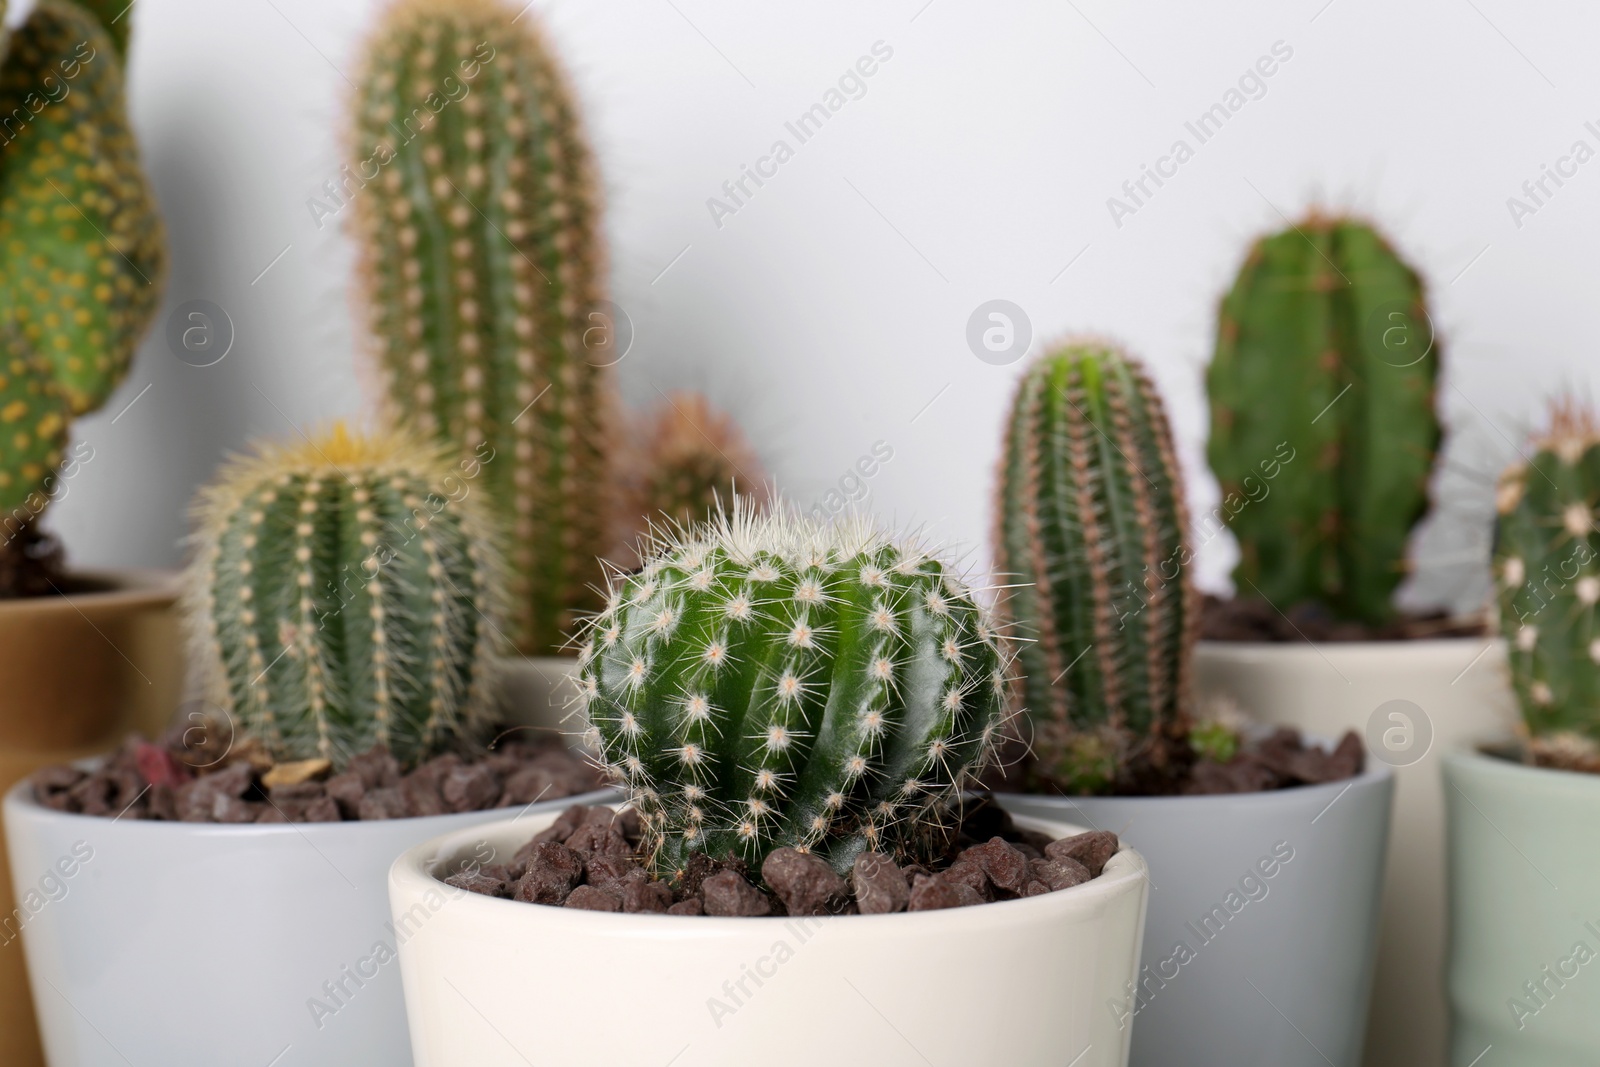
(339, 599)
(1091, 524)
(1321, 346)
(480, 258)
(767, 681)
(1547, 568)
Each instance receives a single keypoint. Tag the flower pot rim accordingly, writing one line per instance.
(1473, 758)
(132, 588)
(413, 872)
(19, 799)
(1375, 773)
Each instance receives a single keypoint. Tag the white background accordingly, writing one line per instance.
(830, 312)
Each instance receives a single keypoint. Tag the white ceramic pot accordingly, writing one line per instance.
(1456, 692)
(1022, 983)
(1524, 913)
(201, 944)
(536, 691)
(1276, 891)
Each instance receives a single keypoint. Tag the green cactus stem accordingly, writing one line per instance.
(1547, 564)
(81, 247)
(1324, 345)
(478, 225)
(341, 597)
(768, 681)
(1091, 528)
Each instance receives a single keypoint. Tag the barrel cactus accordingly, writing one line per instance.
(769, 681)
(1547, 562)
(1324, 345)
(1091, 524)
(478, 226)
(343, 594)
(82, 259)
(689, 460)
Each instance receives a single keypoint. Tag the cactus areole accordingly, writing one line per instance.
(478, 226)
(1547, 568)
(1324, 345)
(769, 681)
(341, 597)
(1091, 536)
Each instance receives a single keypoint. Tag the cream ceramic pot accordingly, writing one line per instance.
(1412, 701)
(499, 983)
(1524, 913)
(200, 944)
(535, 692)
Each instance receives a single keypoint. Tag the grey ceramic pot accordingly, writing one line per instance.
(1524, 972)
(1262, 923)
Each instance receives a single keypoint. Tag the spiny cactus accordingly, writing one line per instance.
(81, 246)
(768, 681)
(480, 250)
(1324, 344)
(342, 595)
(1091, 527)
(688, 460)
(1547, 560)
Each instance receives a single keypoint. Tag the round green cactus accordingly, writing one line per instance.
(478, 223)
(1324, 348)
(1547, 561)
(768, 681)
(342, 596)
(1091, 528)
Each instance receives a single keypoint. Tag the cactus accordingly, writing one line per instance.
(1324, 346)
(1090, 526)
(768, 681)
(342, 595)
(480, 252)
(81, 247)
(1547, 562)
(690, 458)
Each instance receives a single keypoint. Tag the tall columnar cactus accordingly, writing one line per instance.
(1324, 347)
(81, 246)
(689, 459)
(1091, 529)
(479, 227)
(343, 594)
(1547, 560)
(769, 681)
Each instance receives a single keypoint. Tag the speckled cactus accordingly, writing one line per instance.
(768, 681)
(1090, 532)
(689, 460)
(343, 594)
(81, 246)
(480, 250)
(1547, 561)
(1324, 346)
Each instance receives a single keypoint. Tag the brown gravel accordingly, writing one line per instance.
(174, 783)
(1246, 619)
(588, 858)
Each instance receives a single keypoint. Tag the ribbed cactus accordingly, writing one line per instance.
(1324, 346)
(480, 249)
(343, 594)
(690, 459)
(1091, 529)
(1547, 561)
(81, 246)
(769, 681)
